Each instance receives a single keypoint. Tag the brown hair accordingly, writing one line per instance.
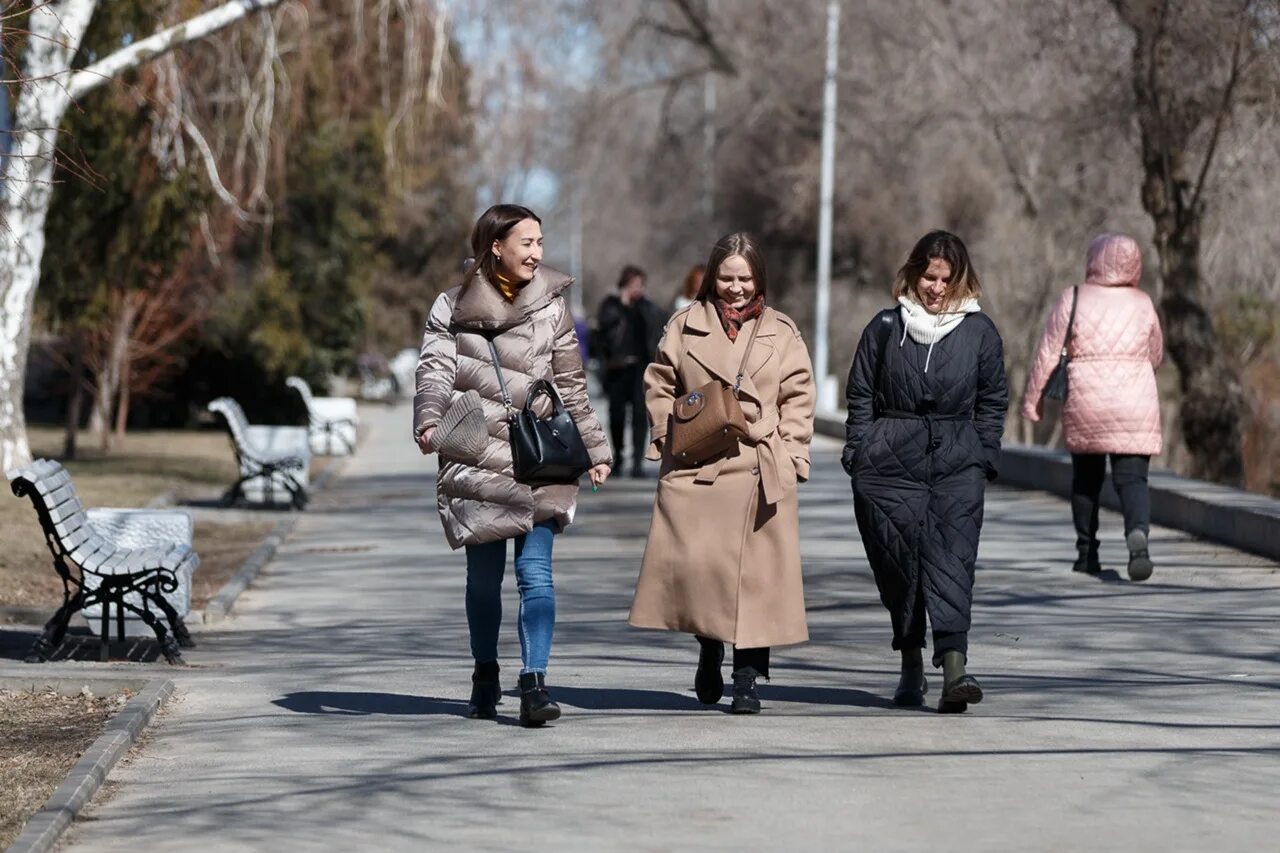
(692, 279)
(964, 282)
(741, 244)
(495, 224)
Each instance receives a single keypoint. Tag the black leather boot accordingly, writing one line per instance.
(708, 683)
(745, 698)
(1087, 561)
(1140, 565)
(959, 689)
(486, 691)
(912, 685)
(536, 704)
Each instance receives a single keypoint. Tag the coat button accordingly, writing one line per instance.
(755, 470)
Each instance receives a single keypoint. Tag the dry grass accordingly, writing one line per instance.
(147, 464)
(43, 736)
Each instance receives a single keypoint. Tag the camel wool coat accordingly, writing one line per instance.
(723, 554)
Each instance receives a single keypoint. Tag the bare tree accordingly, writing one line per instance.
(48, 87)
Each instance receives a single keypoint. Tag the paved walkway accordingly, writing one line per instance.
(328, 712)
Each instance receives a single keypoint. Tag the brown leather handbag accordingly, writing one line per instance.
(708, 421)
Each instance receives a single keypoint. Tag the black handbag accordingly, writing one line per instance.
(544, 451)
(1055, 388)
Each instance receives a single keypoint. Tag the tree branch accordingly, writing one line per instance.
(90, 78)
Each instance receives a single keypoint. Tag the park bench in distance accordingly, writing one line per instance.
(332, 420)
(130, 559)
(273, 459)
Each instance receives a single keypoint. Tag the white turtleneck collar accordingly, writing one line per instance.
(926, 328)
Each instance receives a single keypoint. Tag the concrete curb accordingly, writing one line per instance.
(220, 605)
(1222, 514)
(47, 825)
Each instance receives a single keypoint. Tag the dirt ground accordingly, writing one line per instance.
(42, 735)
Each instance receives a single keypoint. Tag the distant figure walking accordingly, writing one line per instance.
(490, 344)
(629, 327)
(1112, 406)
(688, 288)
(722, 561)
(927, 398)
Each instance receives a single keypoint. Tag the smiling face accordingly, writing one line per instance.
(516, 256)
(735, 283)
(933, 285)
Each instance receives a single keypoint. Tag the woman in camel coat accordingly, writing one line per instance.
(723, 556)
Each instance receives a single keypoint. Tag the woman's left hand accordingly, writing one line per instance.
(599, 474)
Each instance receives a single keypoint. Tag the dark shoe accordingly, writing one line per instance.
(959, 695)
(745, 698)
(637, 472)
(911, 688)
(536, 705)
(708, 683)
(1140, 565)
(1087, 562)
(486, 692)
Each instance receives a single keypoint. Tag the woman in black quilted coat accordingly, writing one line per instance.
(927, 397)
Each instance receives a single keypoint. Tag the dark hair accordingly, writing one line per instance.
(629, 272)
(950, 248)
(739, 243)
(495, 224)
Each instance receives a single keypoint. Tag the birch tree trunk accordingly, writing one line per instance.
(55, 32)
(48, 86)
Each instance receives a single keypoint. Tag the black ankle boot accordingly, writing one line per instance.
(1087, 561)
(708, 683)
(912, 685)
(486, 691)
(536, 705)
(1140, 565)
(745, 698)
(959, 689)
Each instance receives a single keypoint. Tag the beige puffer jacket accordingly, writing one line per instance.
(535, 340)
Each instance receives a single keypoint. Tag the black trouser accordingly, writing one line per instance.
(912, 636)
(1128, 474)
(624, 386)
(757, 658)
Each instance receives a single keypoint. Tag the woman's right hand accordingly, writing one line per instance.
(424, 441)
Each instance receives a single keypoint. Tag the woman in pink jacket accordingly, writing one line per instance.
(1112, 406)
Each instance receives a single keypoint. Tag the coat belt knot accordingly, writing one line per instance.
(759, 435)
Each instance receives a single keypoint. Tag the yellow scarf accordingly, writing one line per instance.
(510, 289)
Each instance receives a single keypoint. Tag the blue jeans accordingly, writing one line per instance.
(486, 565)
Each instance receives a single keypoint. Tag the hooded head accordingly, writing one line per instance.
(1114, 261)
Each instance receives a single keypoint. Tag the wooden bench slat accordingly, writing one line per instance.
(70, 521)
(49, 482)
(93, 553)
(75, 538)
(60, 495)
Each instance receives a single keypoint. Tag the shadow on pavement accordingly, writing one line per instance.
(365, 704)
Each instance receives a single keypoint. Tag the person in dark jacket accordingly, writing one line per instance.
(927, 396)
(629, 327)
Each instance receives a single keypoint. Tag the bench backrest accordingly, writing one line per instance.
(66, 525)
(300, 385)
(237, 423)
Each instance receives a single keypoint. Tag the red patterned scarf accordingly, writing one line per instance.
(732, 319)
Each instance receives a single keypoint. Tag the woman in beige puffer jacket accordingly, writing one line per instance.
(510, 298)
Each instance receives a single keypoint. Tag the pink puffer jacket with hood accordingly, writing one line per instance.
(1112, 405)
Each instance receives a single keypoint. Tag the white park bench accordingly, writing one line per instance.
(332, 420)
(137, 561)
(273, 460)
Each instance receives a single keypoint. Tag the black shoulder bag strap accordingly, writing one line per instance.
(1071, 321)
(883, 329)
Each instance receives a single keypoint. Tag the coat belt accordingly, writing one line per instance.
(758, 435)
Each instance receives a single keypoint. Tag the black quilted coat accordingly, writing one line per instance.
(920, 448)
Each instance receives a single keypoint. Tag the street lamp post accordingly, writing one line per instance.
(826, 383)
